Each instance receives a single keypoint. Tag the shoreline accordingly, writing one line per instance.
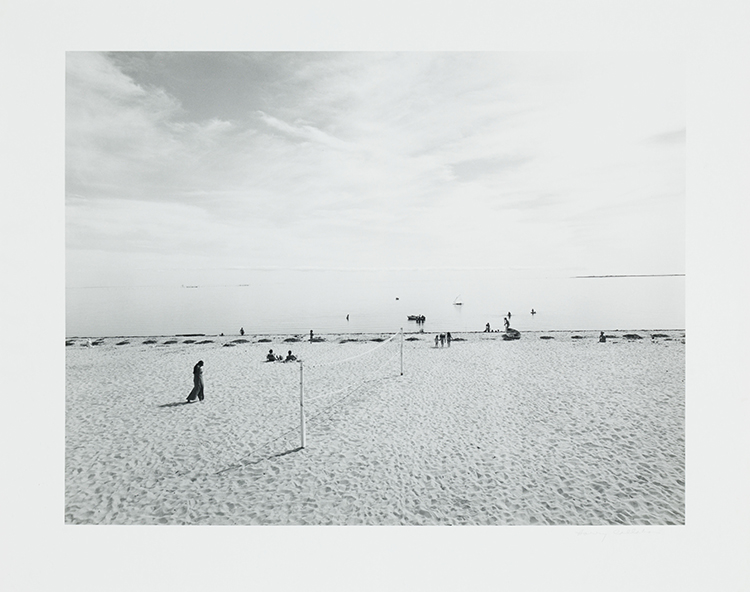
(305, 337)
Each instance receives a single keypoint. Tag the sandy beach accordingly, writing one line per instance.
(551, 429)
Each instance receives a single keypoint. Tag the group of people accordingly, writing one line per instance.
(272, 357)
(442, 338)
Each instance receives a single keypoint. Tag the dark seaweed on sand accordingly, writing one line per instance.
(418, 339)
(241, 341)
(291, 340)
(264, 341)
(205, 341)
(349, 341)
(149, 341)
(632, 336)
(546, 337)
(576, 336)
(122, 343)
(170, 341)
(230, 344)
(189, 341)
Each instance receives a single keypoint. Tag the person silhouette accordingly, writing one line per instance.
(197, 383)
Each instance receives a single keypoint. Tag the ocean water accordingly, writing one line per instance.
(296, 301)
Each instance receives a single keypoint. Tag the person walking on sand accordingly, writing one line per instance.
(197, 383)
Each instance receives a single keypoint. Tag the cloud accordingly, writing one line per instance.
(304, 131)
(339, 158)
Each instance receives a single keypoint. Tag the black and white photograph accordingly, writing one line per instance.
(357, 296)
(475, 262)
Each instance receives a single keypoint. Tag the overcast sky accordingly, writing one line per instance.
(566, 163)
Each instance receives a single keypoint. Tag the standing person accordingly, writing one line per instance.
(507, 323)
(509, 315)
(242, 330)
(442, 339)
(448, 338)
(197, 383)
(487, 328)
(311, 334)
(437, 339)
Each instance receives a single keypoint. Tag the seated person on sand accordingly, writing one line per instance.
(270, 357)
(602, 337)
(290, 357)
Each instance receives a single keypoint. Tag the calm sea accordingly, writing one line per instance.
(295, 301)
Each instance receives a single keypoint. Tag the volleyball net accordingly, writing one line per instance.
(326, 382)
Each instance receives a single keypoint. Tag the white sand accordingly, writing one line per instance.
(533, 431)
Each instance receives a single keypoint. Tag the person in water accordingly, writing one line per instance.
(197, 391)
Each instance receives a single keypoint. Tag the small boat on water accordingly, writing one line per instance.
(457, 301)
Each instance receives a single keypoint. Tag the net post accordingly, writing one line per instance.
(301, 405)
(402, 351)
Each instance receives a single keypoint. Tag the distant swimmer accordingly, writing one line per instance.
(602, 337)
(347, 317)
(533, 311)
(509, 315)
(242, 331)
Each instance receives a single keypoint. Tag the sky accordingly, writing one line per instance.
(180, 166)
